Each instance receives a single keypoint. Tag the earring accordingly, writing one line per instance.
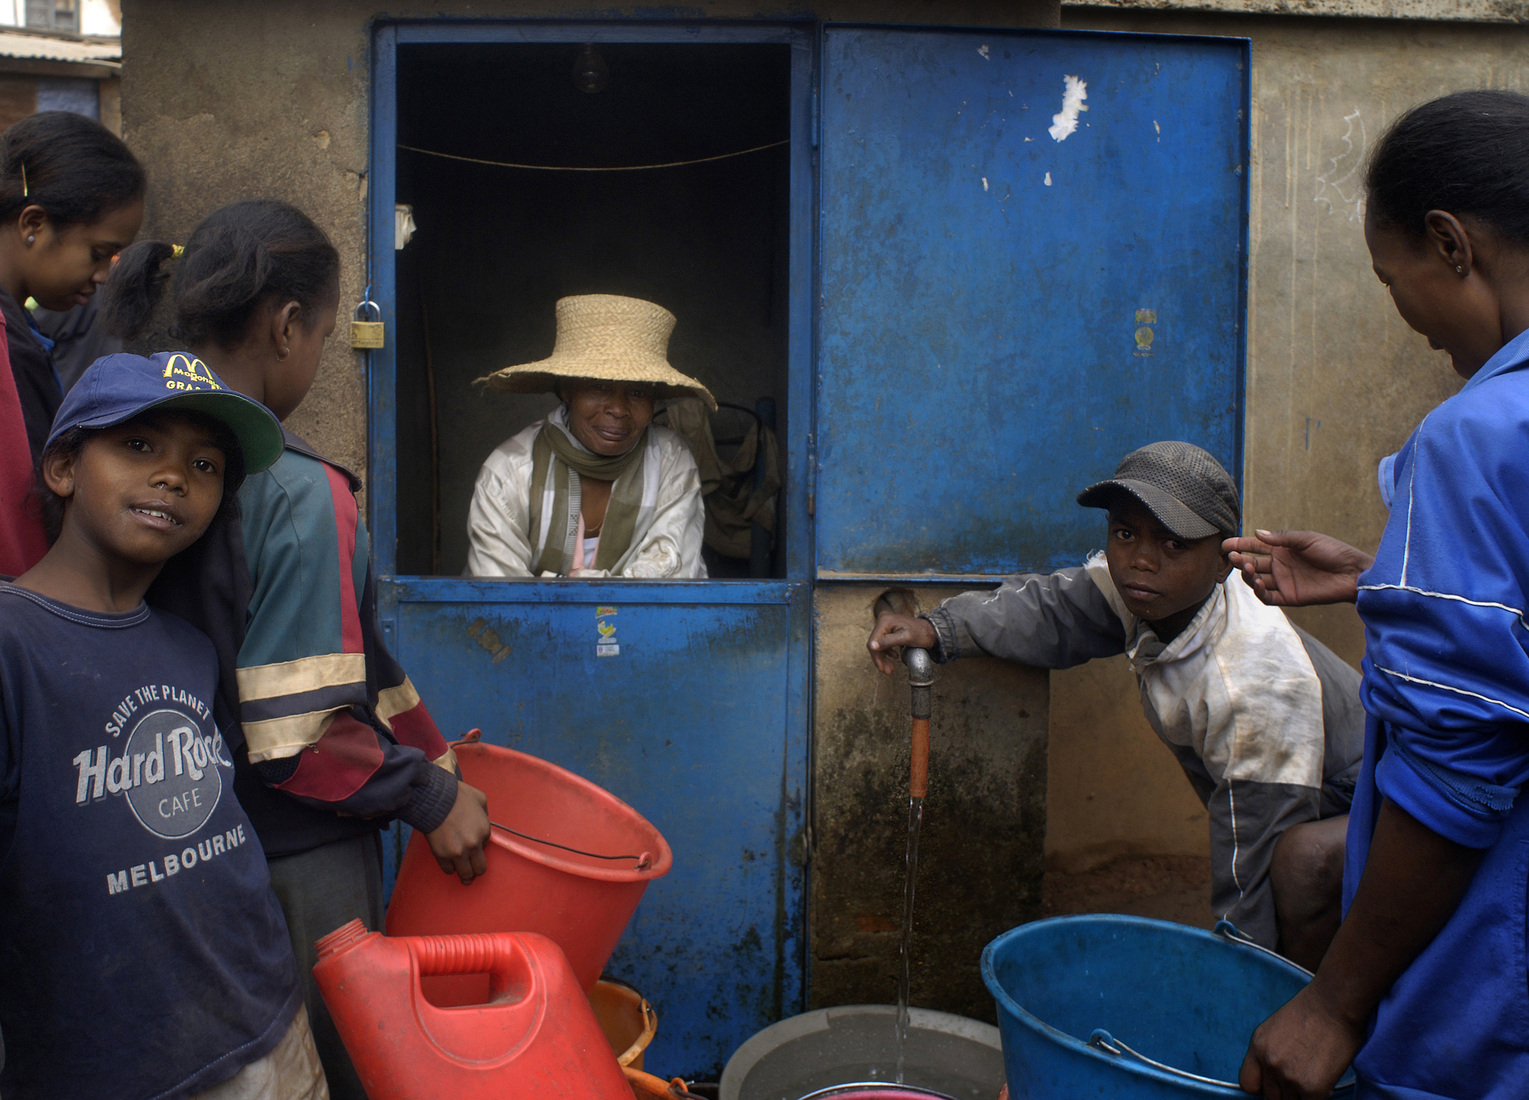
(31, 238)
(1459, 270)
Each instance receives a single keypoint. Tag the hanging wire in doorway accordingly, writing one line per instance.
(567, 168)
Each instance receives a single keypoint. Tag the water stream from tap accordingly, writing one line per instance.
(904, 979)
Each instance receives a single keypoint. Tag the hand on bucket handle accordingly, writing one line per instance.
(457, 843)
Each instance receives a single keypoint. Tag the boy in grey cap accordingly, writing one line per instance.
(1264, 720)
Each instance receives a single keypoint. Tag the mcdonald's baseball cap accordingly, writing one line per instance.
(1184, 486)
(116, 388)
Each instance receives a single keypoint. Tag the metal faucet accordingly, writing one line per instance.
(921, 681)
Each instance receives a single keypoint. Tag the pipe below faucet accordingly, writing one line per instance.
(920, 681)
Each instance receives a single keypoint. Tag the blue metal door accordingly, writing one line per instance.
(698, 723)
(700, 719)
(1032, 256)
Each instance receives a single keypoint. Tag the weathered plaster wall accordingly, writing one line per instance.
(1448, 11)
(981, 851)
(1335, 379)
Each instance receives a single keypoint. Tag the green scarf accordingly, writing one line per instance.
(552, 445)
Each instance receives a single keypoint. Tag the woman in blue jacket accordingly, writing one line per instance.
(1425, 986)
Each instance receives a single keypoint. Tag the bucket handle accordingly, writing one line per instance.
(1231, 933)
(1103, 1040)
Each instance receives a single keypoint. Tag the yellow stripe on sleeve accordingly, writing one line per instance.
(396, 700)
(278, 738)
(304, 674)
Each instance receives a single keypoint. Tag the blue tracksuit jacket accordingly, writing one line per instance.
(1446, 687)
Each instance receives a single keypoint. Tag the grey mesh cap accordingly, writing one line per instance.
(1188, 491)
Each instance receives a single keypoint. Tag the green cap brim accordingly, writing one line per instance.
(254, 426)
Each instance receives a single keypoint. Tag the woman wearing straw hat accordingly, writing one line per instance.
(596, 489)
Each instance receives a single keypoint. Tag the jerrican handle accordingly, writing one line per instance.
(467, 954)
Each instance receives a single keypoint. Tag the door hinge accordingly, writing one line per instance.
(812, 475)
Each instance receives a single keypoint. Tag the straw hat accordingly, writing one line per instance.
(609, 338)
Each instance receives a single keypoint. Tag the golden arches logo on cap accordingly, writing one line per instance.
(187, 372)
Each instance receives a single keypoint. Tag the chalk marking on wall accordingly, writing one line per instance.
(984, 183)
(1048, 179)
(982, 52)
(1337, 189)
(1074, 92)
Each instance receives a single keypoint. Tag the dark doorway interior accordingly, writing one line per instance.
(497, 246)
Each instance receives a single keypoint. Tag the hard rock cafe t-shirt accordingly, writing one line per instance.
(142, 953)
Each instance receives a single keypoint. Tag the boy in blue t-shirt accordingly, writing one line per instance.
(142, 952)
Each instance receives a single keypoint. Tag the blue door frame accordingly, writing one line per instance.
(701, 722)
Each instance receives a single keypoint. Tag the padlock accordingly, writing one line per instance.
(367, 334)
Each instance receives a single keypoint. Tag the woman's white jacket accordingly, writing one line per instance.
(666, 544)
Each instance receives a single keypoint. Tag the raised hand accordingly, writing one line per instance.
(892, 632)
(1298, 568)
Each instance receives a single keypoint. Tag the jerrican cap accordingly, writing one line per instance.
(1184, 486)
(118, 387)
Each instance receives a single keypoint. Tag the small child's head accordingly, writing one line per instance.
(1447, 217)
(257, 274)
(144, 453)
(1170, 505)
(72, 193)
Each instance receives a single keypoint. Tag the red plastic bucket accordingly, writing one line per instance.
(574, 875)
(536, 1034)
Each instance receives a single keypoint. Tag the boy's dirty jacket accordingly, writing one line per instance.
(332, 738)
(1264, 720)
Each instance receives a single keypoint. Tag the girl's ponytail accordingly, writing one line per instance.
(133, 288)
(224, 276)
(239, 259)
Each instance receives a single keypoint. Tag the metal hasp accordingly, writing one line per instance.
(921, 681)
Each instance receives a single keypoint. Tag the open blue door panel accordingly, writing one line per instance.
(1032, 257)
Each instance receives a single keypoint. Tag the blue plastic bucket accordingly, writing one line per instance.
(1084, 1002)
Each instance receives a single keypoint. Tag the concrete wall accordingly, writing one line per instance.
(1335, 379)
(979, 869)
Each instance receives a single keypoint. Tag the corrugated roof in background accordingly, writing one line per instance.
(47, 47)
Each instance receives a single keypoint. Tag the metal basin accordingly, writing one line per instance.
(945, 1054)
